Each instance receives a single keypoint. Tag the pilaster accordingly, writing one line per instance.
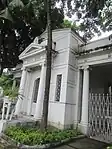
(40, 97)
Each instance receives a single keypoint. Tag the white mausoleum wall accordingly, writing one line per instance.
(63, 112)
(60, 66)
(98, 43)
(59, 36)
(57, 108)
(71, 98)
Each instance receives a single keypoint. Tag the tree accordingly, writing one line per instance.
(31, 22)
(48, 67)
(93, 15)
(24, 20)
(70, 24)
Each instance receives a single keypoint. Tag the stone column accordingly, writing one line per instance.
(77, 97)
(29, 97)
(39, 104)
(21, 91)
(85, 99)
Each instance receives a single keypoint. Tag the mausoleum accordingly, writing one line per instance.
(81, 82)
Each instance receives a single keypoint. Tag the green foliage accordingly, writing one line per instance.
(70, 24)
(92, 14)
(29, 21)
(33, 136)
(12, 94)
(20, 22)
(6, 82)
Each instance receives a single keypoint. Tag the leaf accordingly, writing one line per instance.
(6, 15)
(28, 6)
(16, 3)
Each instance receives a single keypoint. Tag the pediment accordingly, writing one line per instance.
(30, 50)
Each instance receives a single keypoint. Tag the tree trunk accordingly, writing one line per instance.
(48, 69)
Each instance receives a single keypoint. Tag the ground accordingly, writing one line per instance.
(85, 143)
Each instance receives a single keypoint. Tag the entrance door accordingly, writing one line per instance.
(100, 117)
(35, 94)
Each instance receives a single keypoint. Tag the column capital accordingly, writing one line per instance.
(42, 63)
(28, 69)
(86, 67)
(23, 68)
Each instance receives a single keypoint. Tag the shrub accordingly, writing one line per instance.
(33, 136)
(12, 94)
(6, 82)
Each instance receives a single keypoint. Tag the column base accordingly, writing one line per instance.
(2, 125)
(38, 110)
(37, 117)
(18, 105)
(83, 127)
(76, 124)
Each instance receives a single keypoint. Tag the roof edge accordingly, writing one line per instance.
(69, 29)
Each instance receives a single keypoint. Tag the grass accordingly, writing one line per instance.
(33, 136)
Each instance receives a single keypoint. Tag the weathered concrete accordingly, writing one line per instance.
(6, 145)
(84, 143)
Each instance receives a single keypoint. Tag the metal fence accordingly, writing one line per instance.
(100, 117)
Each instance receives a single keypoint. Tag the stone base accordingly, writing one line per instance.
(76, 124)
(61, 126)
(83, 128)
(2, 125)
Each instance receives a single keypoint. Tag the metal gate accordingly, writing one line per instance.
(100, 117)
